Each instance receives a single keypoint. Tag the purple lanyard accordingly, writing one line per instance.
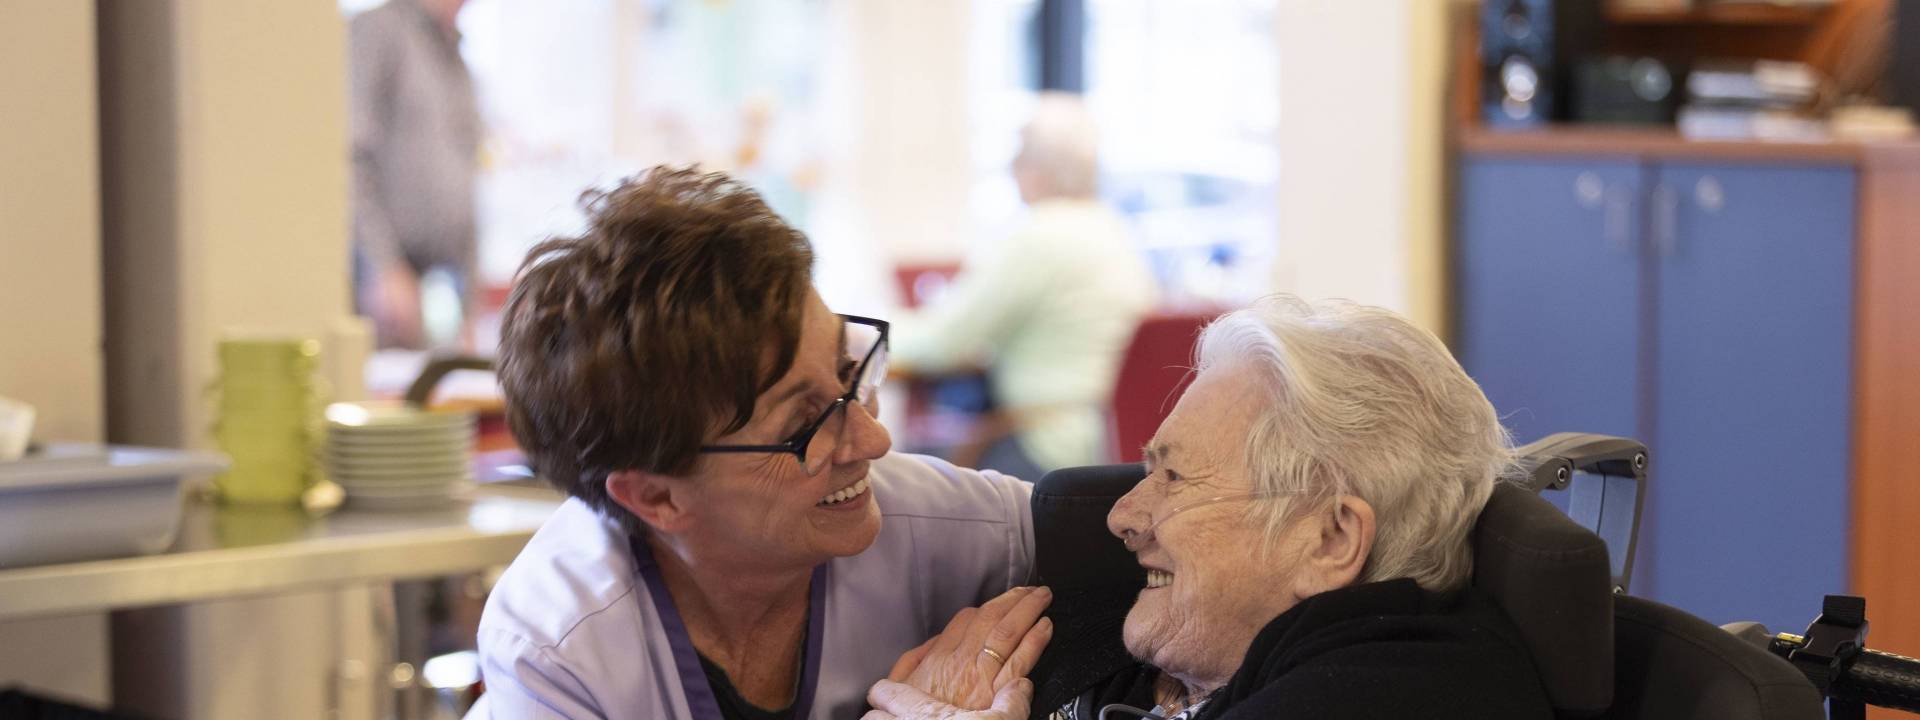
(693, 677)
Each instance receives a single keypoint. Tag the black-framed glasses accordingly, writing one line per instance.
(866, 339)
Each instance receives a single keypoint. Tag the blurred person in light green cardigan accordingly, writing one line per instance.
(1047, 310)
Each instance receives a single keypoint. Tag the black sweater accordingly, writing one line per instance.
(1379, 650)
(1385, 650)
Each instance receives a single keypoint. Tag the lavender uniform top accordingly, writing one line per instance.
(573, 630)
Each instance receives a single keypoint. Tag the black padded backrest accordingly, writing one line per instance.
(1072, 545)
(1670, 665)
(1093, 577)
(1553, 579)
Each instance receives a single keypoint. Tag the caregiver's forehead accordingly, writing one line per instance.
(823, 333)
(823, 338)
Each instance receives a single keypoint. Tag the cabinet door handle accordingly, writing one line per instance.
(1588, 188)
(1709, 194)
(1666, 211)
(1618, 215)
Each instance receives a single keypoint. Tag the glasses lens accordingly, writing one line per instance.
(863, 343)
(820, 449)
(869, 387)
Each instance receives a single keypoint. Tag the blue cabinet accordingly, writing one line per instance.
(1549, 293)
(1748, 515)
(1702, 308)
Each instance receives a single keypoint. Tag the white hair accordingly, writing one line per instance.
(1060, 144)
(1362, 403)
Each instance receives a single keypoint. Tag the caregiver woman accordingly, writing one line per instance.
(739, 542)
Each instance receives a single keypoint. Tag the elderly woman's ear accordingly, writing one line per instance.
(1338, 540)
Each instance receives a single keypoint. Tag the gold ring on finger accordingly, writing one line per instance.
(995, 655)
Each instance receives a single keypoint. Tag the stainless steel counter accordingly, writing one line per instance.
(227, 552)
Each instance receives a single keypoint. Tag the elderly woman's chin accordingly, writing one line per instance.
(1162, 631)
(1145, 631)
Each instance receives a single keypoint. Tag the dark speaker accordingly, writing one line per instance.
(1629, 90)
(1527, 54)
(1903, 72)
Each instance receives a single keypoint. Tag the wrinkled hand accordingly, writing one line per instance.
(896, 701)
(952, 668)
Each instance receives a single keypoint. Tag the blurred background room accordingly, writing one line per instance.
(270, 242)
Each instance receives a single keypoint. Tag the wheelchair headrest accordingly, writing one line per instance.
(1074, 548)
(1554, 581)
(1551, 576)
(1093, 577)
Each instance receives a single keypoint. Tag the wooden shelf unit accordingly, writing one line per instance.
(1720, 14)
(1885, 415)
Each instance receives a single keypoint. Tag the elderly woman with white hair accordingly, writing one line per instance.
(1047, 310)
(1305, 526)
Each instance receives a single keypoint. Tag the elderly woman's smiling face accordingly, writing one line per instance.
(1214, 576)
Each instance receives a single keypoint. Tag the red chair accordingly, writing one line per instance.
(1153, 373)
(918, 283)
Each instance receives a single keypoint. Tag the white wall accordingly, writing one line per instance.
(224, 127)
(50, 288)
(50, 216)
(1360, 143)
(1427, 63)
(898, 123)
(905, 134)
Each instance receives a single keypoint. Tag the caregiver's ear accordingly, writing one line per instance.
(653, 498)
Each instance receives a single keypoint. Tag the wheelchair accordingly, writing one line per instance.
(1562, 579)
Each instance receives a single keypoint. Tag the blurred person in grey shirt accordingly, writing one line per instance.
(416, 137)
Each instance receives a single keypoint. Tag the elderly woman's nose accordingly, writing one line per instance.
(1129, 515)
(864, 437)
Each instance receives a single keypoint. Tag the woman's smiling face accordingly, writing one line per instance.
(1213, 578)
(768, 507)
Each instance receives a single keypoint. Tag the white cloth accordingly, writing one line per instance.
(1049, 310)
(569, 631)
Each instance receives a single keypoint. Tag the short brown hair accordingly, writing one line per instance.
(624, 347)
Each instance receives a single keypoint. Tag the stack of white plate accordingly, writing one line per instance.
(392, 457)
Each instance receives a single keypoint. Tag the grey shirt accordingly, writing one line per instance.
(416, 138)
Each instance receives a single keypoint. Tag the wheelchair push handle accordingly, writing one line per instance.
(1550, 462)
(1834, 656)
(1610, 504)
(1881, 679)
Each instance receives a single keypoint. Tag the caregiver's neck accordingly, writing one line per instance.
(748, 619)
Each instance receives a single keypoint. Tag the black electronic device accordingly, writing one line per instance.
(1903, 70)
(1628, 90)
(1527, 54)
